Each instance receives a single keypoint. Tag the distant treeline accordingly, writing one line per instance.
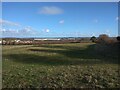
(103, 39)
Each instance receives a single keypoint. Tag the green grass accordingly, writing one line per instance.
(77, 65)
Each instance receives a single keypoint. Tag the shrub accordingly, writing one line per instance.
(118, 38)
(104, 39)
(93, 39)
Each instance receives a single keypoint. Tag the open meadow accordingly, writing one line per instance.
(74, 65)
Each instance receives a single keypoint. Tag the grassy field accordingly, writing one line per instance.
(77, 65)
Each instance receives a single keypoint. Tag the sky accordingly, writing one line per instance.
(59, 19)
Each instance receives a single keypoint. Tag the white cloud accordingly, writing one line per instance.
(9, 32)
(5, 22)
(50, 10)
(46, 30)
(107, 32)
(117, 18)
(9, 29)
(96, 21)
(27, 31)
(93, 34)
(2, 30)
(61, 21)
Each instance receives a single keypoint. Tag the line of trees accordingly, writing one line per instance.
(105, 39)
(102, 39)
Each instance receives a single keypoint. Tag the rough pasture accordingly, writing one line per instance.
(76, 65)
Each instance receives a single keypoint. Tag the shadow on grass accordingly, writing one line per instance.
(70, 56)
(35, 59)
(75, 53)
(106, 54)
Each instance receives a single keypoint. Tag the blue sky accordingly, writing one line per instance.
(60, 19)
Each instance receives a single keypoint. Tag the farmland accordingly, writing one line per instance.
(74, 65)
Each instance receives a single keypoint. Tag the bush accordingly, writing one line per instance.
(104, 39)
(118, 38)
(93, 39)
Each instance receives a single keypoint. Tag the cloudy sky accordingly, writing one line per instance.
(60, 19)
